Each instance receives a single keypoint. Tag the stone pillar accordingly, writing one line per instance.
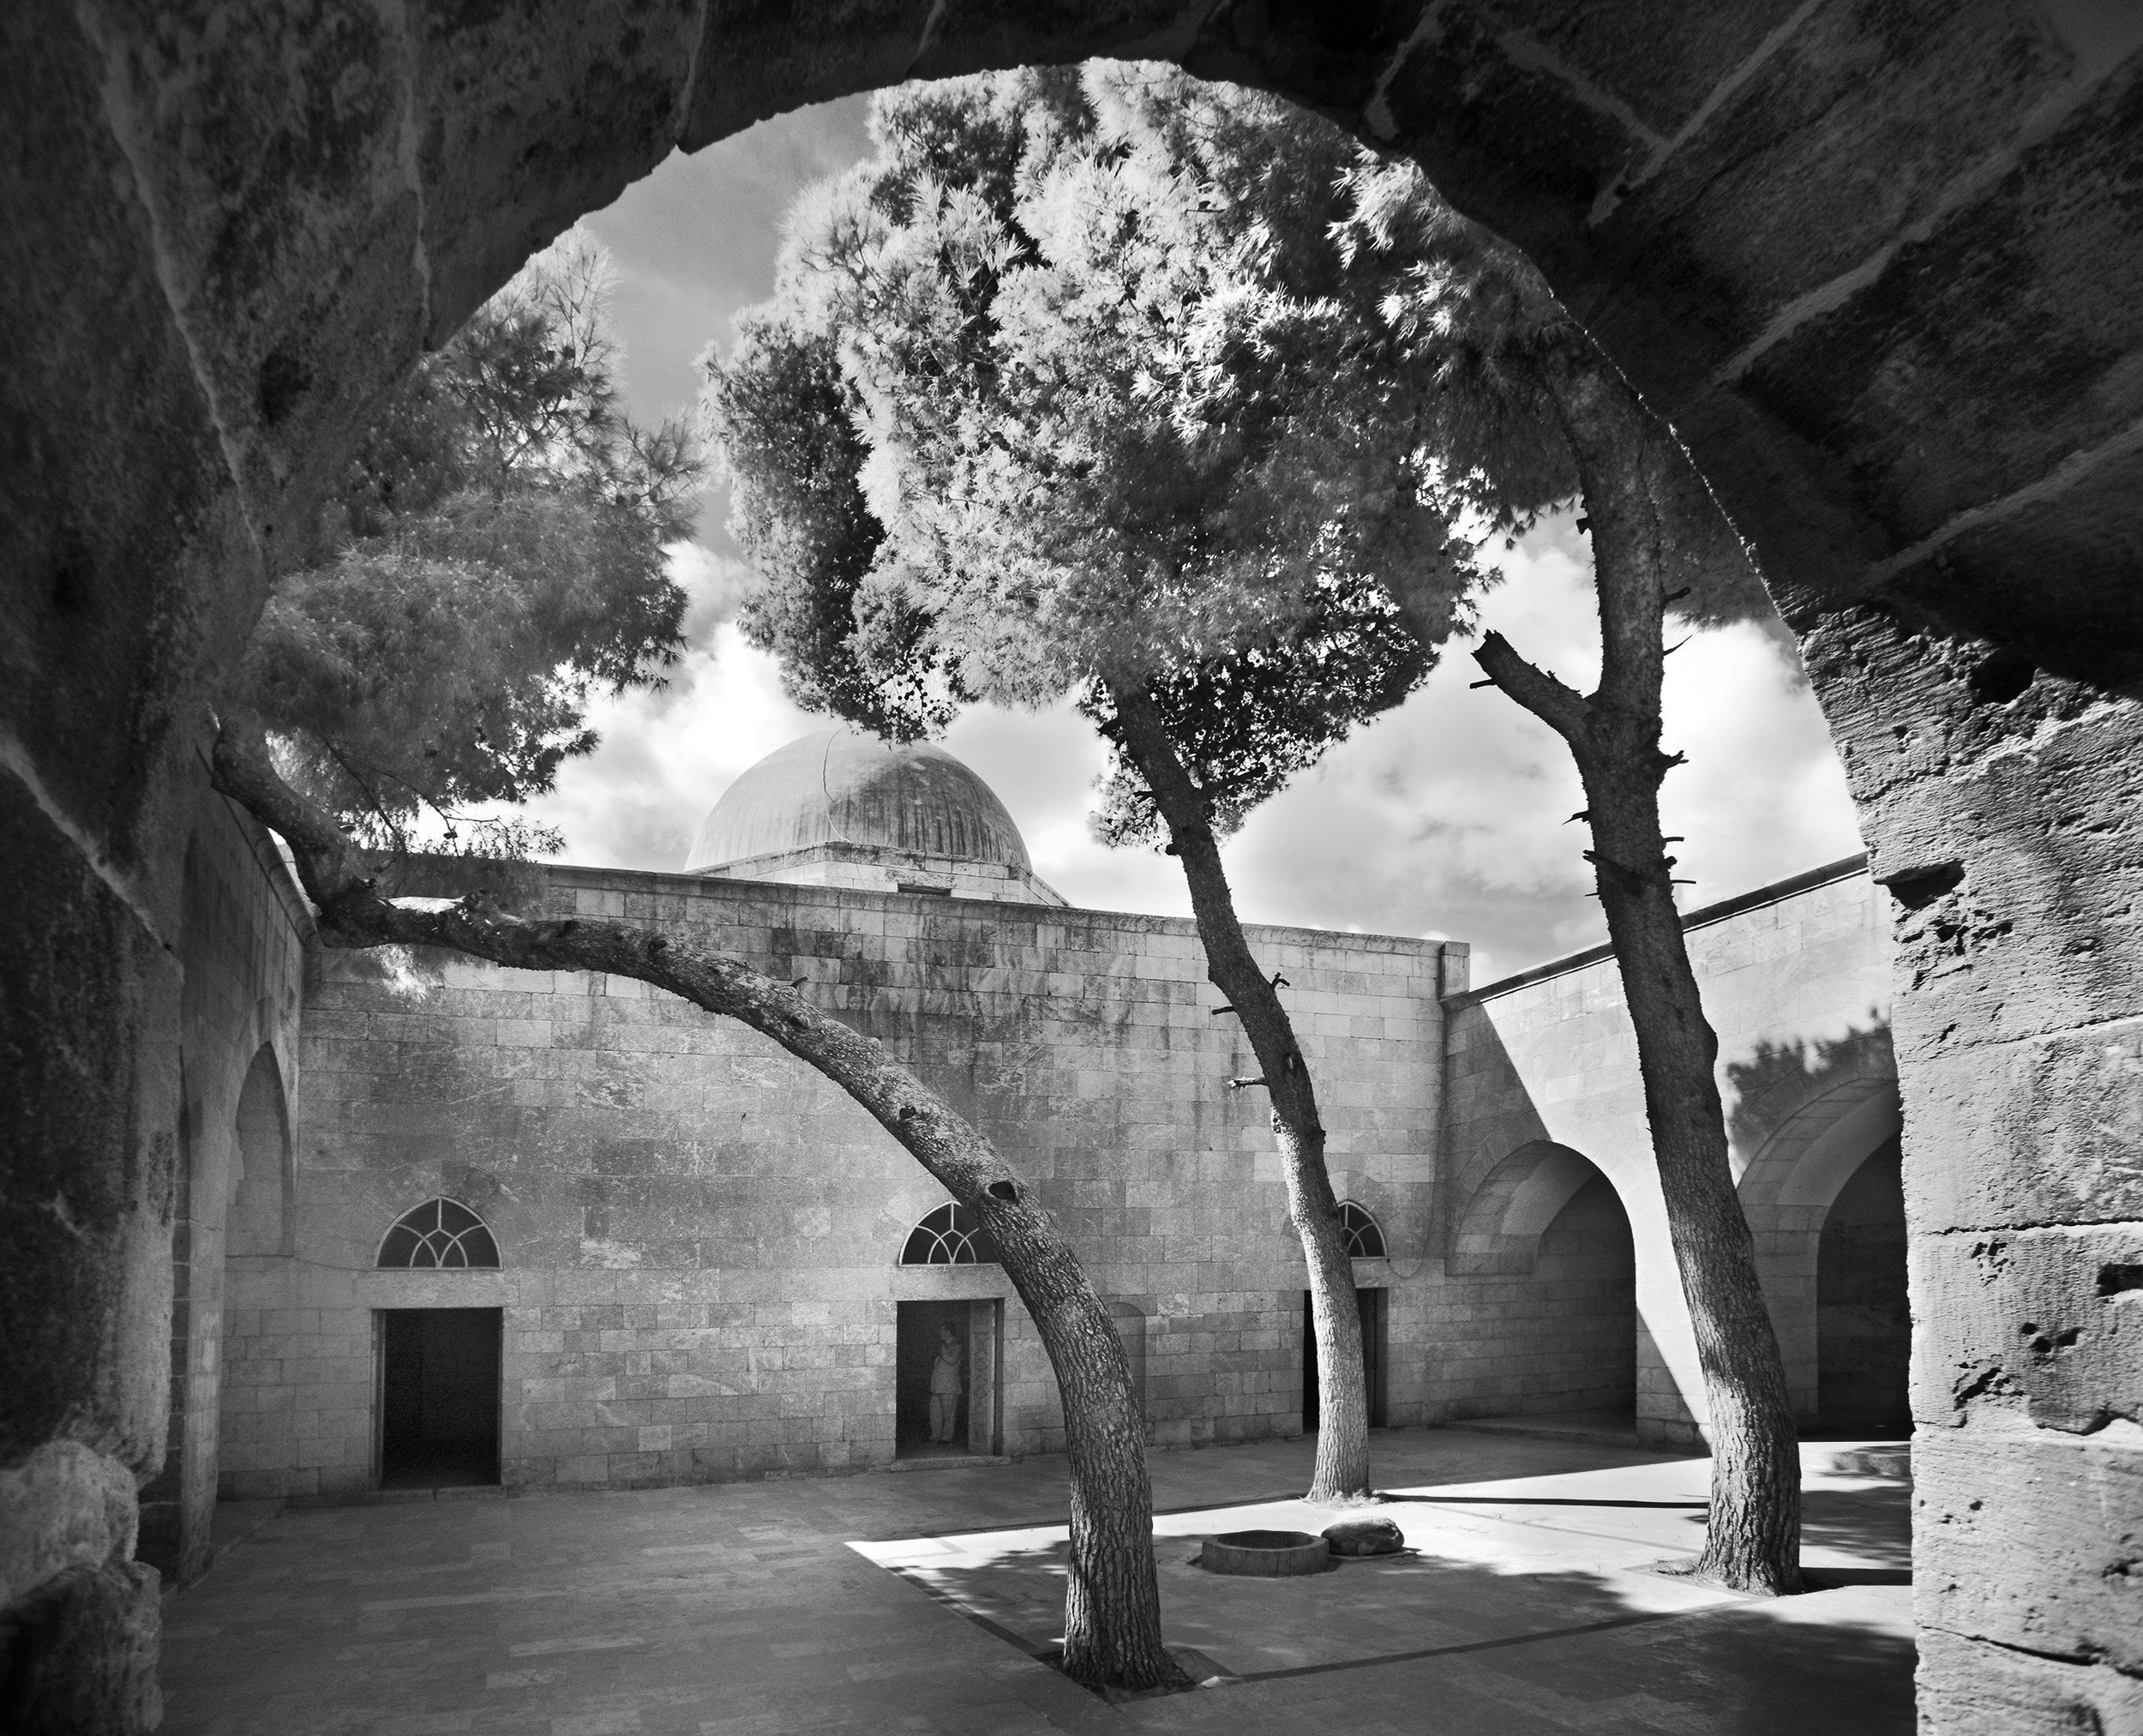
(89, 1029)
(2004, 820)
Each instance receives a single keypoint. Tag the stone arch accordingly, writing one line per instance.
(366, 254)
(1815, 1152)
(1788, 1186)
(1863, 1320)
(1547, 1239)
(259, 1219)
(1786, 1098)
(1498, 1230)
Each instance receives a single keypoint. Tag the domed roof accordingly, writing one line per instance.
(839, 787)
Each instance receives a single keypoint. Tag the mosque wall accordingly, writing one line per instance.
(699, 1236)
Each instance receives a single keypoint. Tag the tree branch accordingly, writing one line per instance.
(338, 878)
(1563, 709)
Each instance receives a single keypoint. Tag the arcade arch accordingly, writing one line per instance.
(1499, 1229)
(1824, 1197)
(1864, 1317)
(1547, 1240)
(258, 1217)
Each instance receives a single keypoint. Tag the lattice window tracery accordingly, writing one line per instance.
(948, 1237)
(439, 1233)
(1365, 1239)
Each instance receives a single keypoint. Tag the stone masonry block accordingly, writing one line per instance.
(2048, 1321)
(2030, 1132)
(2032, 1541)
(1971, 1688)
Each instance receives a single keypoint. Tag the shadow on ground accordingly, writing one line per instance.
(1538, 1595)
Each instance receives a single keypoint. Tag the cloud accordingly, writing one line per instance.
(714, 583)
(666, 753)
(697, 240)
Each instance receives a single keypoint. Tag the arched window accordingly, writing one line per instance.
(948, 1237)
(439, 1233)
(1365, 1241)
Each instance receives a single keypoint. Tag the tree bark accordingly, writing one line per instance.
(1343, 1443)
(1629, 465)
(1112, 1601)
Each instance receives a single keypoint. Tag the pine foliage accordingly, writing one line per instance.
(494, 557)
(1073, 382)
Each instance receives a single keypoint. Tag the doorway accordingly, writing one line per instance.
(1370, 1305)
(439, 1396)
(966, 1339)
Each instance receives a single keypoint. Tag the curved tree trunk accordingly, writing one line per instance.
(1343, 1443)
(1630, 466)
(1112, 1602)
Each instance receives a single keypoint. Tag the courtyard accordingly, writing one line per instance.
(1528, 1601)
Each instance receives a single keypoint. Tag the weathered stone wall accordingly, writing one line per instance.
(1796, 981)
(91, 1522)
(1810, 234)
(242, 945)
(699, 1235)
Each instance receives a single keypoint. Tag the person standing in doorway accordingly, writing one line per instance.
(946, 1384)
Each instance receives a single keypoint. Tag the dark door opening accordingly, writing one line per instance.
(1863, 1318)
(439, 1397)
(1370, 1305)
(946, 1400)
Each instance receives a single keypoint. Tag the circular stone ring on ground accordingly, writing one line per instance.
(1268, 1554)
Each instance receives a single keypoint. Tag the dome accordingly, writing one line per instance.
(840, 788)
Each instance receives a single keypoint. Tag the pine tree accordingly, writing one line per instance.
(1528, 409)
(1110, 427)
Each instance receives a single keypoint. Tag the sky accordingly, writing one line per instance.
(1444, 819)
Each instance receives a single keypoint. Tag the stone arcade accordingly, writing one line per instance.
(1877, 262)
(451, 1223)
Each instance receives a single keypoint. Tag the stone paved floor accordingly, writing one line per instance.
(750, 1609)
